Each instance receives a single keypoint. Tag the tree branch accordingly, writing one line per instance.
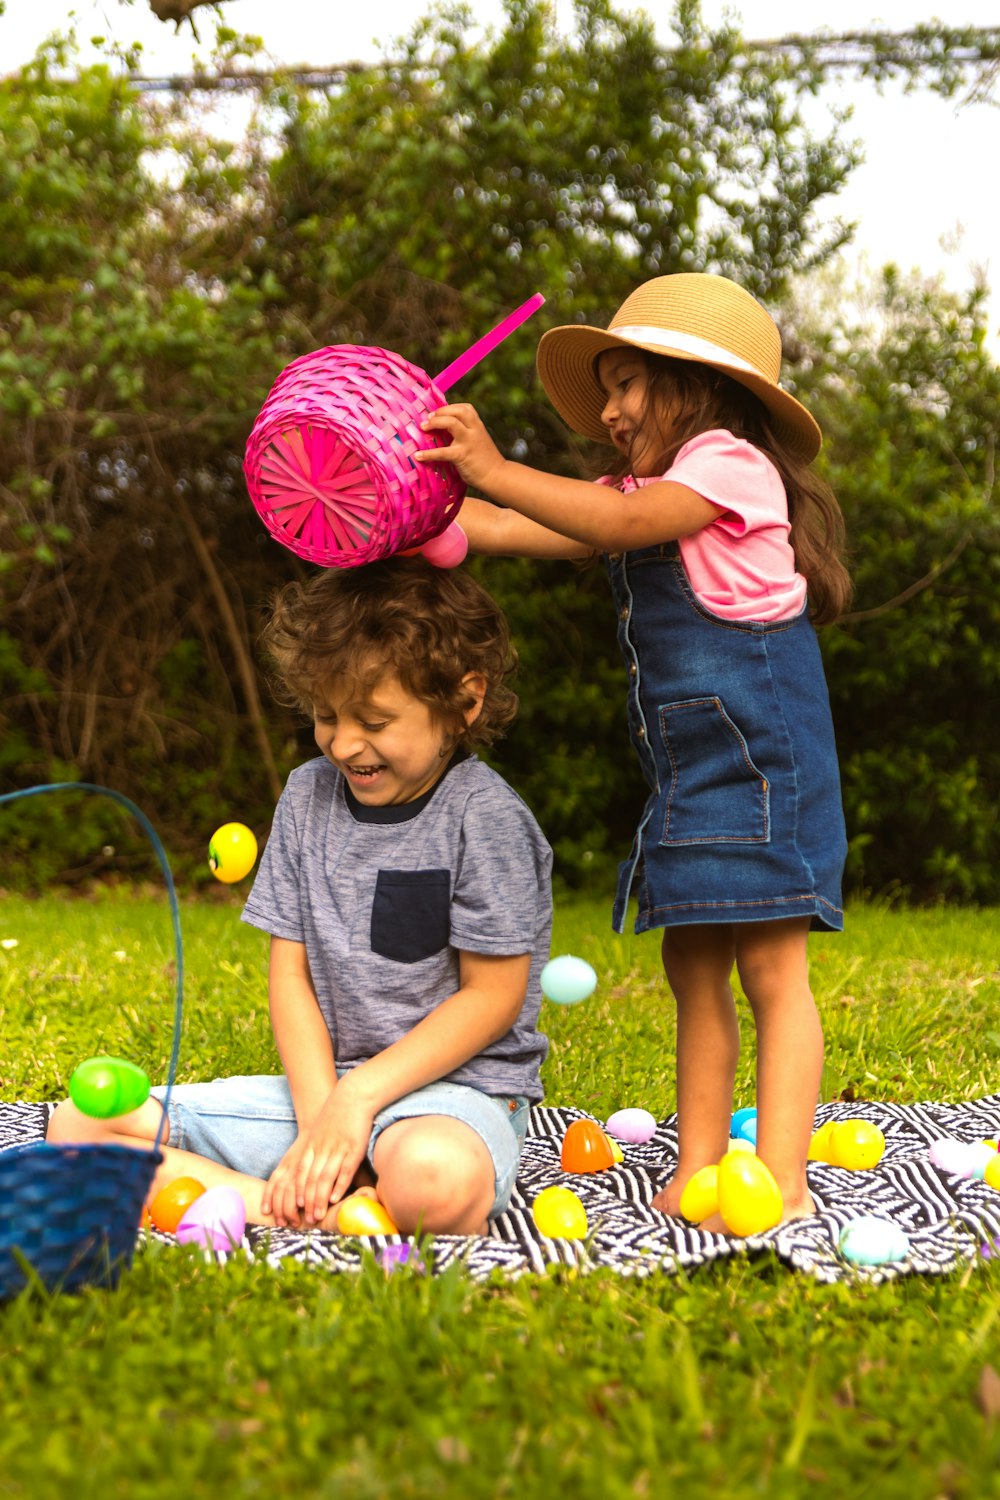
(859, 615)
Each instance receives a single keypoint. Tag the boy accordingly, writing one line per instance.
(406, 891)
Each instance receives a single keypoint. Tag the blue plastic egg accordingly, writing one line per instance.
(568, 980)
(740, 1116)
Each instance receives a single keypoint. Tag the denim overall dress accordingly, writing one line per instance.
(731, 722)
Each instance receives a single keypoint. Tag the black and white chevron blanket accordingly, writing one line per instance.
(950, 1222)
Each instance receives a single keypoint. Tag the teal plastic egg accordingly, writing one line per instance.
(872, 1241)
(568, 980)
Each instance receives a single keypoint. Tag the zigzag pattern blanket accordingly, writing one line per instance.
(948, 1219)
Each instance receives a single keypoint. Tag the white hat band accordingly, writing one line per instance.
(687, 343)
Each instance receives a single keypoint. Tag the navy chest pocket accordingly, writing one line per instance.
(716, 794)
(411, 914)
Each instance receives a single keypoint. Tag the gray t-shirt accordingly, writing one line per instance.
(383, 908)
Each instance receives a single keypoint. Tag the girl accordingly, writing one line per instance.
(712, 529)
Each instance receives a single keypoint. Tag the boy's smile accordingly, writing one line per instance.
(388, 745)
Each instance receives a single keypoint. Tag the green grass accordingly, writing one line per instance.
(743, 1380)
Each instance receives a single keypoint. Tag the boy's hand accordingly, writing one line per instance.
(278, 1197)
(336, 1145)
(473, 452)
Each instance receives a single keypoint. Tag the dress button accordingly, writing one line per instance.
(633, 669)
(641, 732)
(614, 557)
(623, 612)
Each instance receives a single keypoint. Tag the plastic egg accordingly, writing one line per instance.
(992, 1145)
(394, 1257)
(955, 1158)
(819, 1144)
(216, 1219)
(748, 1130)
(362, 1215)
(981, 1157)
(749, 1197)
(104, 1087)
(586, 1148)
(448, 549)
(700, 1198)
(559, 1214)
(633, 1125)
(856, 1144)
(872, 1241)
(616, 1150)
(991, 1176)
(740, 1143)
(749, 1112)
(232, 852)
(568, 980)
(172, 1202)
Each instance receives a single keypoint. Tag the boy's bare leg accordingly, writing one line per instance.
(435, 1174)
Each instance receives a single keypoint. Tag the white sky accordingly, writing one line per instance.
(925, 196)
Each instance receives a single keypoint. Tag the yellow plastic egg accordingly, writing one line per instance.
(749, 1197)
(991, 1176)
(819, 1146)
(856, 1144)
(362, 1215)
(616, 1150)
(559, 1214)
(231, 852)
(700, 1198)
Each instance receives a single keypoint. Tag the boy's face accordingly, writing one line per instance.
(387, 744)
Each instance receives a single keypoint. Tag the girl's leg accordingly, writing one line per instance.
(773, 967)
(435, 1173)
(698, 962)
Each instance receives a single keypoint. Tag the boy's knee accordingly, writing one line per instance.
(424, 1177)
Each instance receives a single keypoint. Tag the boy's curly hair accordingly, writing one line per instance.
(427, 626)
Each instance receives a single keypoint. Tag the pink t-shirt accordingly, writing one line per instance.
(741, 565)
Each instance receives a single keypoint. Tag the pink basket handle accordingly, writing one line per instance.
(464, 363)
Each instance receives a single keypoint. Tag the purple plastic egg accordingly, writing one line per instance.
(633, 1125)
(216, 1220)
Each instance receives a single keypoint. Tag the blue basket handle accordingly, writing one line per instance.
(175, 916)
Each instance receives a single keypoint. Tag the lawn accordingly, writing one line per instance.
(742, 1380)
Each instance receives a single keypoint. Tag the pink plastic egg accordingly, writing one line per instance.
(448, 549)
(216, 1220)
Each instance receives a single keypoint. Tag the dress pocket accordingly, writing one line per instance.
(411, 914)
(716, 795)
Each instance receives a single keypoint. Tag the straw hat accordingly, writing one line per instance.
(707, 319)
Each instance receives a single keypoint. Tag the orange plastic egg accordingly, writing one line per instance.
(172, 1202)
(749, 1197)
(362, 1215)
(586, 1148)
(700, 1198)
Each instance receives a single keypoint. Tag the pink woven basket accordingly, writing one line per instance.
(329, 462)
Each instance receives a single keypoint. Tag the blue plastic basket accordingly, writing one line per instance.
(69, 1215)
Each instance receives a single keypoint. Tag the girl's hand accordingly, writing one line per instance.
(472, 450)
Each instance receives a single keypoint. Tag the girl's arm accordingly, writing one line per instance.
(600, 518)
(484, 1008)
(498, 532)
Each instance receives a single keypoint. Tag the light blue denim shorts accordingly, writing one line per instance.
(248, 1123)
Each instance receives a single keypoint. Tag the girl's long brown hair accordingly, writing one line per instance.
(685, 399)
